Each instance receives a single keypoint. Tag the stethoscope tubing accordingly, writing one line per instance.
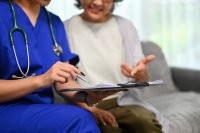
(56, 48)
(15, 29)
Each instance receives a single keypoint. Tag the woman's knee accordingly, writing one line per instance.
(139, 119)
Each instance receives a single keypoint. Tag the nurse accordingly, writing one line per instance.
(33, 47)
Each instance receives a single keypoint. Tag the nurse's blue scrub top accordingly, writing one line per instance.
(40, 44)
(34, 112)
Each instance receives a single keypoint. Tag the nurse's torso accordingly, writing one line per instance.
(40, 45)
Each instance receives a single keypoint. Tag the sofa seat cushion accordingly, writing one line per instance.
(182, 109)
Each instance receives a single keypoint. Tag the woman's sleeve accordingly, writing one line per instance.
(67, 55)
(131, 40)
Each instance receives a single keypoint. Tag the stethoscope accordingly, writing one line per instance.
(56, 47)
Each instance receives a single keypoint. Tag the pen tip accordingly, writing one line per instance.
(82, 74)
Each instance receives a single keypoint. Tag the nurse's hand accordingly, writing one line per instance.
(138, 73)
(59, 72)
(104, 117)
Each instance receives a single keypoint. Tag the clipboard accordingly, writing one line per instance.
(117, 87)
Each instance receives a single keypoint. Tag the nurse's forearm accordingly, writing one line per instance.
(13, 89)
(79, 96)
(73, 96)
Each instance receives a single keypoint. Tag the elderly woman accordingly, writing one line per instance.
(104, 42)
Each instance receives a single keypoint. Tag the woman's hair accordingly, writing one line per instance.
(78, 4)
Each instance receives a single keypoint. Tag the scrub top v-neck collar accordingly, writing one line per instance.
(20, 12)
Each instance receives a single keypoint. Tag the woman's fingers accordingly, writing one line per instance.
(126, 69)
(147, 59)
(125, 72)
(139, 72)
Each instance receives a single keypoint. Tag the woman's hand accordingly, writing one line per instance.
(59, 72)
(104, 117)
(139, 73)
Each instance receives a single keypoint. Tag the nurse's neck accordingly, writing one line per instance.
(31, 8)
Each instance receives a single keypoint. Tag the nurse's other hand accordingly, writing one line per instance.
(59, 72)
(140, 72)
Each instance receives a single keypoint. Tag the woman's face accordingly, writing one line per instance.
(96, 10)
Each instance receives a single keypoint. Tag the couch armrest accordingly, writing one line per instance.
(186, 79)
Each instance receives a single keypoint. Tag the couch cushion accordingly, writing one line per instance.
(158, 69)
(182, 109)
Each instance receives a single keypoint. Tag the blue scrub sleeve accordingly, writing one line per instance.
(2, 56)
(67, 54)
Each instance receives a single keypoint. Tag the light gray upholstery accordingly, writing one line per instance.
(158, 69)
(177, 79)
(181, 104)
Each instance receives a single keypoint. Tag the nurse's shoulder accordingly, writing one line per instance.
(57, 24)
(4, 8)
(55, 19)
(5, 12)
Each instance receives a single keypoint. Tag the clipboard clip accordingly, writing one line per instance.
(133, 84)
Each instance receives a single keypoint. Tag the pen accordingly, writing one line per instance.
(82, 78)
(81, 72)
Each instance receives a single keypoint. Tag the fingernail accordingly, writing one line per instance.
(116, 126)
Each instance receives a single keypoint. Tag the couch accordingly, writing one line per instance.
(179, 100)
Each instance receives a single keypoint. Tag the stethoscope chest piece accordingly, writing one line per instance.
(57, 49)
